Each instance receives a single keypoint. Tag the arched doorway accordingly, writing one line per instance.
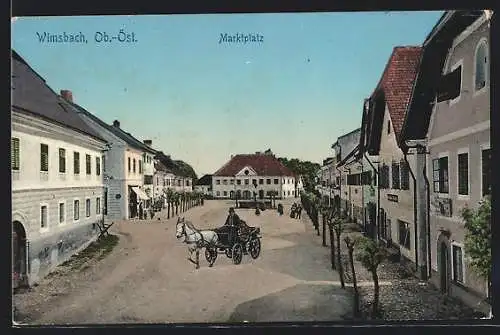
(19, 268)
(261, 194)
(231, 194)
(443, 267)
(246, 194)
(238, 194)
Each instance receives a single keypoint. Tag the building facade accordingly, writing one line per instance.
(57, 179)
(204, 185)
(258, 173)
(124, 169)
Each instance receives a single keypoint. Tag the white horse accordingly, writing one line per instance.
(195, 239)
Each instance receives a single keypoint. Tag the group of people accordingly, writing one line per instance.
(296, 211)
(137, 210)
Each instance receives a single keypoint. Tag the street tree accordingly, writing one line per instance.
(170, 195)
(350, 244)
(478, 238)
(371, 255)
(329, 220)
(338, 227)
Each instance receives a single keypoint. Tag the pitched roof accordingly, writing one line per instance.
(159, 166)
(127, 137)
(205, 180)
(397, 83)
(350, 155)
(264, 165)
(436, 48)
(31, 94)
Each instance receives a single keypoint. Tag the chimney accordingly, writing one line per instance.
(116, 123)
(67, 95)
(148, 142)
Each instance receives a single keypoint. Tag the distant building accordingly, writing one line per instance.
(57, 179)
(204, 185)
(261, 173)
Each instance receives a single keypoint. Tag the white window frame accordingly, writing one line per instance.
(458, 63)
(98, 207)
(484, 146)
(59, 212)
(483, 40)
(464, 150)
(43, 229)
(442, 155)
(460, 245)
(90, 207)
(79, 209)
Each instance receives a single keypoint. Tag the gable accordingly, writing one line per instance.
(246, 171)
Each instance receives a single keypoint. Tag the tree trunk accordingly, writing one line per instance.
(177, 209)
(354, 281)
(323, 219)
(376, 292)
(332, 247)
(339, 261)
(168, 210)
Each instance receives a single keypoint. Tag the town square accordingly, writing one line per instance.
(253, 185)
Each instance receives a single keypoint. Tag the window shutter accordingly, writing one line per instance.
(450, 85)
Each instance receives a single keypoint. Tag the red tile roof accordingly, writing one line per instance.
(397, 82)
(264, 165)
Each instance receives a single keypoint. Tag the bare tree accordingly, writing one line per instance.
(338, 227)
(350, 244)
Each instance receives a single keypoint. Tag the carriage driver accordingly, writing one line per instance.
(232, 219)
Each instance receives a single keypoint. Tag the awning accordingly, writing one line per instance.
(140, 193)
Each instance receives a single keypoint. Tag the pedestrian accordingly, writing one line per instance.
(299, 211)
(140, 211)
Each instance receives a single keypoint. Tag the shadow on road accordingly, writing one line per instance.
(301, 302)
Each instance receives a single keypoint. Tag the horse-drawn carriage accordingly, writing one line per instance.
(235, 241)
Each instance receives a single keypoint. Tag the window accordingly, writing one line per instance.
(62, 160)
(395, 176)
(457, 264)
(88, 166)
(187, 182)
(404, 234)
(14, 153)
(268, 181)
(225, 193)
(129, 165)
(62, 212)
(44, 157)
(254, 181)
(224, 182)
(440, 175)
(218, 193)
(98, 166)
(247, 181)
(231, 181)
(140, 166)
(133, 165)
(366, 178)
(405, 175)
(384, 176)
(76, 210)
(261, 181)
(276, 181)
(148, 180)
(238, 182)
(87, 207)
(463, 173)
(481, 71)
(217, 181)
(43, 217)
(388, 127)
(76, 162)
(98, 205)
(104, 163)
(486, 171)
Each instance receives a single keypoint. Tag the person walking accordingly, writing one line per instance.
(299, 211)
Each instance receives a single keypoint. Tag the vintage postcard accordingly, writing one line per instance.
(251, 167)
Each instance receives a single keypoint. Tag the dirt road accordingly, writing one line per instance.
(148, 279)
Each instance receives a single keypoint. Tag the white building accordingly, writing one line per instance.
(126, 162)
(260, 173)
(204, 185)
(57, 179)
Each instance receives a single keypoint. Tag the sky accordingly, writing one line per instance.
(199, 99)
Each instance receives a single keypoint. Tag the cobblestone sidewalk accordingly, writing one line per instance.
(407, 298)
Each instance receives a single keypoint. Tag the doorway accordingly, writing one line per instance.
(443, 267)
(261, 194)
(19, 273)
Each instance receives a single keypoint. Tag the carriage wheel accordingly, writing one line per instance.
(210, 255)
(229, 252)
(255, 247)
(237, 253)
